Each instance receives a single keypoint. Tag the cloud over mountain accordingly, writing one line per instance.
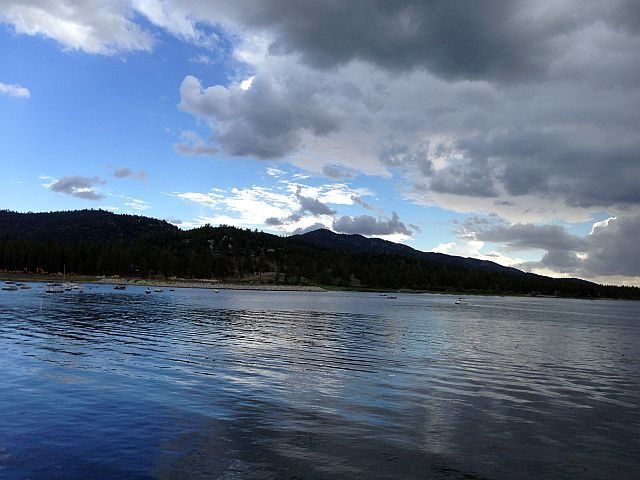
(368, 225)
(78, 186)
(609, 250)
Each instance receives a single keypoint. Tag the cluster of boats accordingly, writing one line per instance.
(56, 287)
(12, 286)
(63, 287)
(157, 290)
(123, 286)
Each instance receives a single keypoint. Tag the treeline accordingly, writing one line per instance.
(136, 246)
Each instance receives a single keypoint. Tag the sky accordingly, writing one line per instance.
(504, 130)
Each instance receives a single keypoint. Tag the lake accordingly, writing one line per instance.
(293, 385)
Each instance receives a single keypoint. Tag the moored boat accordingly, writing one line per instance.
(54, 288)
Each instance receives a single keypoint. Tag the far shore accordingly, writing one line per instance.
(210, 284)
(240, 285)
(165, 283)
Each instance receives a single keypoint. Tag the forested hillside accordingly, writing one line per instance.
(95, 242)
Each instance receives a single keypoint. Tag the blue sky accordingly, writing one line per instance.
(504, 131)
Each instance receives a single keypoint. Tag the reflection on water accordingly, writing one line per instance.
(192, 384)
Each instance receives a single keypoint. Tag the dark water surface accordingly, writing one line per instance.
(261, 385)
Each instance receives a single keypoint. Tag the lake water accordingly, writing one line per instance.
(289, 385)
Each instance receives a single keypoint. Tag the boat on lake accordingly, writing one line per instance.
(461, 301)
(120, 286)
(54, 288)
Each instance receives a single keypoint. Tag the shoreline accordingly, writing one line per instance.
(208, 284)
(222, 285)
(167, 283)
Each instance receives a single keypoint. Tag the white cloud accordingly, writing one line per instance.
(137, 204)
(294, 207)
(14, 90)
(207, 199)
(241, 206)
(467, 247)
(111, 208)
(333, 193)
(600, 225)
(246, 84)
(174, 19)
(92, 26)
(275, 172)
(202, 59)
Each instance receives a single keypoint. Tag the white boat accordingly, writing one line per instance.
(120, 286)
(461, 301)
(158, 290)
(54, 288)
(147, 291)
(10, 287)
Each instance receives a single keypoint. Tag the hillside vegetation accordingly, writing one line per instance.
(96, 242)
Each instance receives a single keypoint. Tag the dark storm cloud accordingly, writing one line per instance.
(561, 261)
(473, 180)
(336, 173)
(274, 222)
(265, 121)
(562, 164)
(399, 155)
(308, 205)
(613, 250)
(368, 225)
(627, 15)
(610, 249)
(570, 139)
(532, 98)
(463, 39)
(78, 186)
(313, 205)
(362, 203)
(524, 236)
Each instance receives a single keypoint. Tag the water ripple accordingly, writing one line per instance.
(348, 385)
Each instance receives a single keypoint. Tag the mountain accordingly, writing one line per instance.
(80, 225)
(358, 244)
(96, 242)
